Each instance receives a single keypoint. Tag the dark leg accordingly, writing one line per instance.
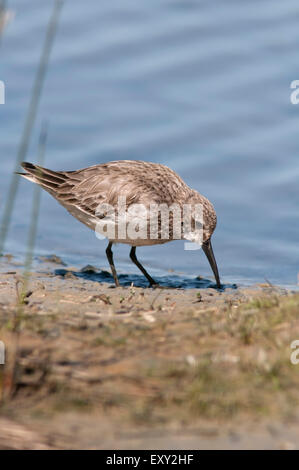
(111, 262)
(135, 261)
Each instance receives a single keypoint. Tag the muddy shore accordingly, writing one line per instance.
(92, 366)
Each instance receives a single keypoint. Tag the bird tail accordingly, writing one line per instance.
(48, 179)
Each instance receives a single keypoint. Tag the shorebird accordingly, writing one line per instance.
(141, 183)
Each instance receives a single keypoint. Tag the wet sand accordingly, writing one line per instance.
(92, 366)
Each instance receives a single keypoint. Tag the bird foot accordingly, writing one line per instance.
(155, 285)
(158, 286)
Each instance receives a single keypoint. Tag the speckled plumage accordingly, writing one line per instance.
(81, 191)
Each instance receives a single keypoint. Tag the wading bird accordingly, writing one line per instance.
(138, 183)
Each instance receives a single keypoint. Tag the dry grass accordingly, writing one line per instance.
(169, 366)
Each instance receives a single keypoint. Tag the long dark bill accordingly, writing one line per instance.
(208, 250)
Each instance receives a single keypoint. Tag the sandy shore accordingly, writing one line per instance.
(91, 366)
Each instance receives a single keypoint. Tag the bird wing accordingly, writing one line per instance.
(86, 193)
(140, 182)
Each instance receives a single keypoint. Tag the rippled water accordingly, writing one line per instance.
(201, 86)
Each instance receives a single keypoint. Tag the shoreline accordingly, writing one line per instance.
(43, 264)
(134, 367)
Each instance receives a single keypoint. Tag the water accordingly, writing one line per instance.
(201, 86)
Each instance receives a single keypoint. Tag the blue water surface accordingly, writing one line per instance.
(202, 86)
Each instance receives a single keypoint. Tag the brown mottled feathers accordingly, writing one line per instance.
(138, 181)
(81, 191)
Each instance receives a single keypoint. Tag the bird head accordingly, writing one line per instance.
(204, 229)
